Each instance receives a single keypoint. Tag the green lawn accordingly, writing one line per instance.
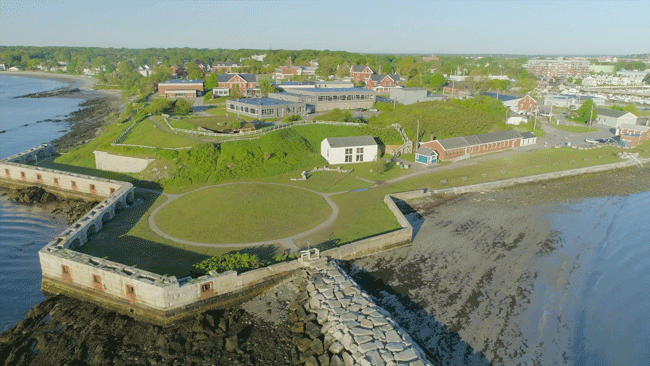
(147, 134)
(576, 129)
(242, 213)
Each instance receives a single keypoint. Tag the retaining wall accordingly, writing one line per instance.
(119, 163)
(146, 295)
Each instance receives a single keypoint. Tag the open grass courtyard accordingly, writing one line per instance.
(242, 213)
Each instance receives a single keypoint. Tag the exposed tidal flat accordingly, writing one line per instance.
(551, 273)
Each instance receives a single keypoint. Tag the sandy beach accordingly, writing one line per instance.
(463, 286)
(83, 82)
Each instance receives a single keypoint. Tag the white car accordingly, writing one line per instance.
(591, 141)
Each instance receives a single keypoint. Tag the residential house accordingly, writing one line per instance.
(181, 88)
(228, 66)
(516, 103)
(613, 118)
(262, 108)
(313, 63)
(259, 58)
(426, 156)
(382, 83)
(247, 84)
(204, 67)
(632, 135)
(458, 148)
(285, 72)
(360, 72)
(3, 67)
(351, 149)
(145, 70)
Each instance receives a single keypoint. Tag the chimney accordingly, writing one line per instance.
(431, 139)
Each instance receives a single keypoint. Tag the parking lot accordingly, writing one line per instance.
(555, 136)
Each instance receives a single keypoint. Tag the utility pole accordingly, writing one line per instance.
(417, 136)
(592, 115)
(535, 122)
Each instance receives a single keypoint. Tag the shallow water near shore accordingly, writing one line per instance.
(24, 230)
(24, 119)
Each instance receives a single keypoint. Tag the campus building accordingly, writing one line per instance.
(558, 68)
(325, 99)
(262, 108)
(181, 88)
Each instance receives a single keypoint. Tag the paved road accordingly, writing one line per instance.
(287, 242)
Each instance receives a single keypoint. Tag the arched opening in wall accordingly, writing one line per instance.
(106, 217)
(119, 205)
(130, 198)
(75, 243)
(92, 230)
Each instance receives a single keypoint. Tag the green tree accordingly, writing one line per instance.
(584, 113)
(193, 71)
(266, 87)
(230, 262)
(212, 81)
(569, 79)
(235, 92)
(437, 81)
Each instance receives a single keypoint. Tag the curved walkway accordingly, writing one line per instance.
(286, 242)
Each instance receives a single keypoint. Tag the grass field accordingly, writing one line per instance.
(147, 134)
(242, 213)
(576, 129)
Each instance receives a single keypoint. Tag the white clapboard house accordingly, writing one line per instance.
(351, 149)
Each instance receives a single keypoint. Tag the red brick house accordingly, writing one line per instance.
(382, 83)
(526, 104)
(284, 72)
(633, 135)
(228, 66)
(458, 148)
(181, 88)
(360, 72)
(247, 84)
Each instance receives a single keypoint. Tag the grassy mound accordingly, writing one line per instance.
(446, 119)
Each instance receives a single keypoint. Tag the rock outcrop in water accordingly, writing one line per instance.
(72, 209)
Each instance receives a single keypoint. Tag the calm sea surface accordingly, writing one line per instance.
(590, 305)
(24, 230)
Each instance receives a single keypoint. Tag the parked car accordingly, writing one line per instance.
(591, 141)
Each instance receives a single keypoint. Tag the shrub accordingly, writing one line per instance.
(239, 262)
(182, 106)
(292, 118)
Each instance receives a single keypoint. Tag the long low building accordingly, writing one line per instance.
(326, 99)
(181, 88)
(458, 148)
(263, 108)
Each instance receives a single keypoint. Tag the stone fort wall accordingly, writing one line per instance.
(146, 295)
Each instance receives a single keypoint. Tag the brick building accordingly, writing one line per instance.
(633, 135)
(228, 66)
(558, 68)
(458, 148)
(360, 72)
(247, 84)
(382, 83)
(181, 88)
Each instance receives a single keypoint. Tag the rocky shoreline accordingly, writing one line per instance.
(70, 209)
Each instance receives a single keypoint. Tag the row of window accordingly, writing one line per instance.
(330, 98)
(39, 178)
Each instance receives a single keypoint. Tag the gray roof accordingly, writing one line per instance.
(358, 68)
(501, 97)
(182, 81)
(262, 101)
(611, 112)
(486, 138)
(350, 141)
(249, 78)
(422, 150)
(527, 135)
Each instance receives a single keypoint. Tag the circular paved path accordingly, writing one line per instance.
(287, 242)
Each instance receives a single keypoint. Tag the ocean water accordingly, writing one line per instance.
(24, 230)
(591, 302)
(23, 119)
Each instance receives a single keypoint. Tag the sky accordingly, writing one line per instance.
(424, 27)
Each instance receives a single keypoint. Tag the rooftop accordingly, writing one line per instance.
(332, 90)
(182, 81)
(611, 112)
(262, 101)
(347, 141)
(486, 138)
